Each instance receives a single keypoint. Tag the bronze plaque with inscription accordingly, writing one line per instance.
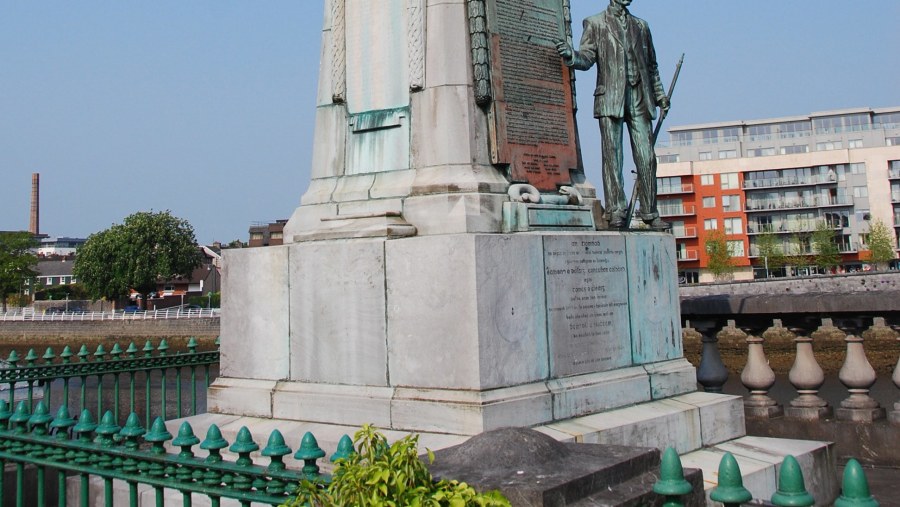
(531, 116)
(587, 304)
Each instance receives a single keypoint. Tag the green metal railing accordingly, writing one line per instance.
(122, 365)
(130, 454)
(791, 491)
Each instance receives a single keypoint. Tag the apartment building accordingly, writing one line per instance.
(785, 176)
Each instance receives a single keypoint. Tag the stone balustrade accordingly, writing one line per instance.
(805, 374)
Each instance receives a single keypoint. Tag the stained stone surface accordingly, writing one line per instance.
(533, 469)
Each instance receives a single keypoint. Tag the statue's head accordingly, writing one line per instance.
(620, 3)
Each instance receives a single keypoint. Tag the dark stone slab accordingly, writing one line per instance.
(638, 492)
(533, 469)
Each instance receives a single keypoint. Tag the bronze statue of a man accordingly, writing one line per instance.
(628, 91)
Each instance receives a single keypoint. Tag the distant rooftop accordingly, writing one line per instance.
(786, 119)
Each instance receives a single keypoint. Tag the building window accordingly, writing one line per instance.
(760, 132)
(830, 145)
(731, 203)
(734, 226)
(859, 168)
(729, 181)
(736, 248)
(669, 185)
(709, 202)
(723, 154)
(760, 152)
(855, 143)
(707, 179)
(705, 155)
(256, 236)
(668, 159)
(792, 150)
(682, 138)
(276, 235)
(710, 224)
(893, 141)
(794, 129)
(859, 192)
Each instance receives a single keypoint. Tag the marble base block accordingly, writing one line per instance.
(454, 333)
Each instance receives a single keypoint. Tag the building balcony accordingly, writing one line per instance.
(685, 188)
(687, 255)
(677, 210)
(783, 204)
(787, 227)
(750, 184)
(684, 232)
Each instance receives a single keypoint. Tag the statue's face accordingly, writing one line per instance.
(622, 3)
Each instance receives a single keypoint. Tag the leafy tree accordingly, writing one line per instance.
(770, 250)
(881, 243)
(145, 248)
(719, 257)
(378, 474)
(17, 262)
(828, 256)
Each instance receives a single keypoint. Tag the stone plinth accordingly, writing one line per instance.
(451, 333)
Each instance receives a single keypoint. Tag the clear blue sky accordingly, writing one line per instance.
(205, 107)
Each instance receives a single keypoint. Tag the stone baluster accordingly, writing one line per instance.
(712, 373)
(858, 376)
(807, 377)
(895, 414)
(758, 378)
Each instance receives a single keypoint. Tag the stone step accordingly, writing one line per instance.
(760, 460)
(687, 423)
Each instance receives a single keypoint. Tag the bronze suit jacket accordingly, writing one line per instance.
(602, 44)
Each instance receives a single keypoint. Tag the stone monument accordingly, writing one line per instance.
(399, 300)
(443, 273)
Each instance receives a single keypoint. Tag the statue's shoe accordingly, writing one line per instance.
(658, 224)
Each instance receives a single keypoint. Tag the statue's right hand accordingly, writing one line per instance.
(564, 49)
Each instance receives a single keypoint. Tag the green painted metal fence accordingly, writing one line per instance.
(125, 367)
(84, 449)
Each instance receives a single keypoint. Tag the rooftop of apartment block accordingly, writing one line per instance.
(889, 117)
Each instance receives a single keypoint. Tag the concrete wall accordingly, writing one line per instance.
(837, 284)
(110, 328)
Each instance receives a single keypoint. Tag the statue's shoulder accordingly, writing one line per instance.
(596, 19)
(641, 23)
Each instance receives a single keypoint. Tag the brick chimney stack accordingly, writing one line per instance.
(35, 226)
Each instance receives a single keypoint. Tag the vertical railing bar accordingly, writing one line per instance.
(108, 492)
(47, 392)
(116, 395)
(132, 494)
(3, 469)
(147, 397)
(160, 502)
(30, 396)
(20, 484)
(162, 384)
(131, 391)
(83, 392)
(178, 389)
(41, 502)
(99, 395)
(60, 487)
(66, 391)
(12, 394)
(193, 390)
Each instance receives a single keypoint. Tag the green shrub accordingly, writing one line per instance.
(378, 474)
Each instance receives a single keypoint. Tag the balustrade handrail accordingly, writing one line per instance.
(71, 316)
(113, 453)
